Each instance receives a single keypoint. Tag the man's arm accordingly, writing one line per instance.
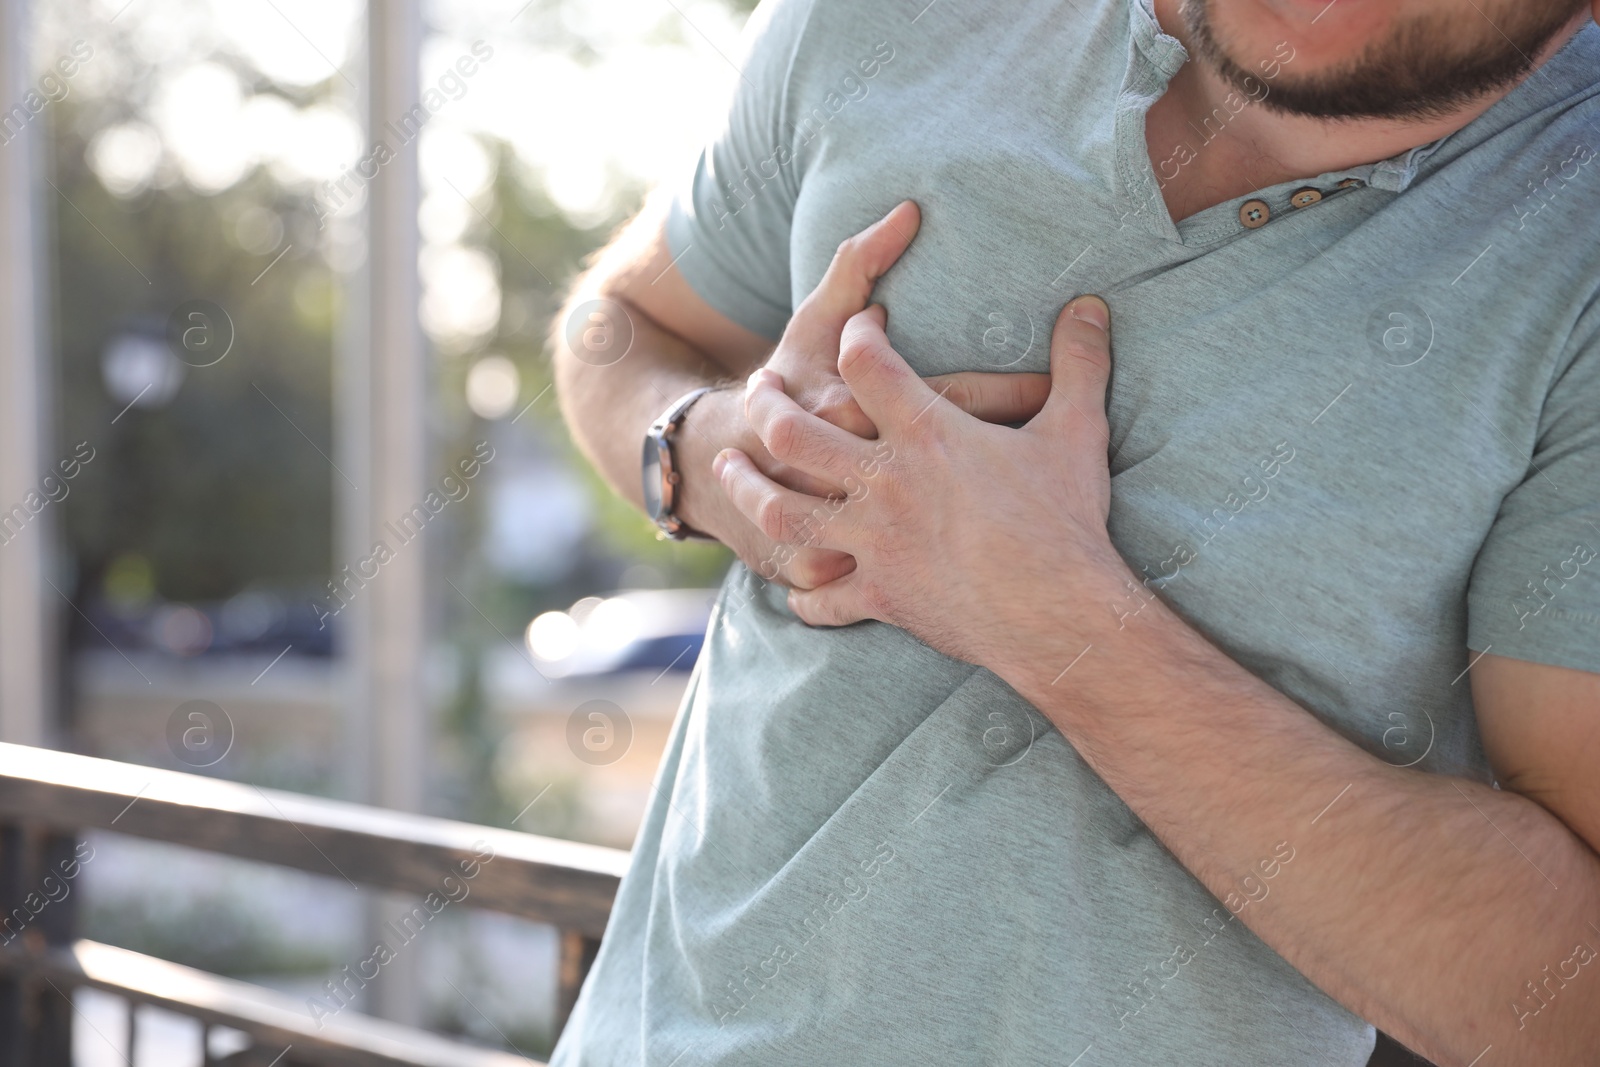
(1459, 918)
(678, 342)
(1462, 919)
(1541, 728)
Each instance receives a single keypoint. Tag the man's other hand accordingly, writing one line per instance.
(807, 359)
(954, 521)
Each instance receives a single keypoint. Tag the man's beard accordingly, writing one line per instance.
(1425, 68)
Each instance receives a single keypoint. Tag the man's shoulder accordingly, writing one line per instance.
(796, 42)
(834, 29)
(1518, 182)
(820, 33)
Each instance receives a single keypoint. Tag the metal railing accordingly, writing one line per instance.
(47, 798)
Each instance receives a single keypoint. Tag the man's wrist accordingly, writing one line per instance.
(715, 422)
(1109, 621)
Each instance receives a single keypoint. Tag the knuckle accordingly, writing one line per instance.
(961, 394)
(806, 611)
(785, 436)
(805, 531)
(856, 353)
(771, 518)
(807, 572)
(1082, 350)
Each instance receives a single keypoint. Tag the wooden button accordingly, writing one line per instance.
(1254, 213)
(1349, 182)
(1305, 197)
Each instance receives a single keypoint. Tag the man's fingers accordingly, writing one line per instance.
(798, 439)
(857, 265)
(1080, 368)
(837, 603)
(782, 515)
(812, 567)
(885, 386)
(994, 396)
(800, 568)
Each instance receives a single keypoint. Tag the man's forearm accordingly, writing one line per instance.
(1455, 916)
(609, 405)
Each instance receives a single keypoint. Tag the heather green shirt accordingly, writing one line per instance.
(1346, 445)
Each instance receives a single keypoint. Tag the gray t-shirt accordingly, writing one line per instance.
(1346, 444)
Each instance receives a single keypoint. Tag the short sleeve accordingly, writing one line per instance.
(728, 226)
(1535, 591)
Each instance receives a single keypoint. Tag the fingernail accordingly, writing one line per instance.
(763, 376)
(718, 463)
(1091, 309)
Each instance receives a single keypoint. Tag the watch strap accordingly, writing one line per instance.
(662, 431)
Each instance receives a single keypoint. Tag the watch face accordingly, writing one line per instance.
(652, 478)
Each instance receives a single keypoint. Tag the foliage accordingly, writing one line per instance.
(218, 488)
(230, 486)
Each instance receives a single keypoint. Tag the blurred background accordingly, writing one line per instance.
(222, 303)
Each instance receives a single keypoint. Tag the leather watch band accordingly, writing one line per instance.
(660, 469)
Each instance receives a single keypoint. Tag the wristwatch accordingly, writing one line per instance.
(661, 477)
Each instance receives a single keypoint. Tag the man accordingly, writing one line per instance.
(1243, 698)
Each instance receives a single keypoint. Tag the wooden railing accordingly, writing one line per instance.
(47, 798)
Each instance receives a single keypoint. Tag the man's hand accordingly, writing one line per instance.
(806, 362)
(955, 524)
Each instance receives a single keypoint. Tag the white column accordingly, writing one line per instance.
(383, 429)
(27, 653)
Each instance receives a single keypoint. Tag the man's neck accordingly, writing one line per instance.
(1257, 147)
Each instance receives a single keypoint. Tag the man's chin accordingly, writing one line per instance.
(1341, 100)
(1383, 92)
(1358, 62)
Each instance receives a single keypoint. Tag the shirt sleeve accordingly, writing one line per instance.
(728, 226)
(1535, 589)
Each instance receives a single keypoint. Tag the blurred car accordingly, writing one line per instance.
(631, 630)
(254, 622)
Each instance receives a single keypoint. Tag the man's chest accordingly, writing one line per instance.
(1309, 435)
